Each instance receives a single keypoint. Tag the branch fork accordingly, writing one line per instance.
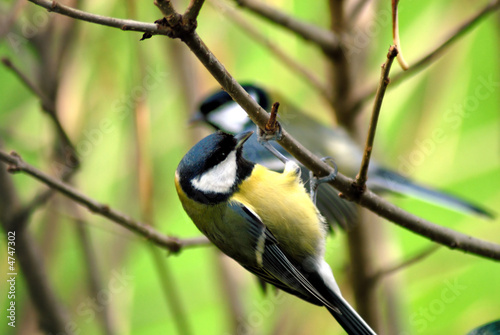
(177, 25)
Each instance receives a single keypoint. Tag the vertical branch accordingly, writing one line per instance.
(93, 274)
(384, 82)
(166, 278)
(341, 77)
(363, 253)
(52, 315)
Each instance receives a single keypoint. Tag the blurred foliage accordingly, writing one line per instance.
(107, 72)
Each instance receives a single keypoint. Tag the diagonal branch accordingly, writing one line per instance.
(361, 178)
(171, 243)
(406, 263)
(433, 55)
(280, 54)
(193, 10)
(49, 107)
(325, 39)
(368, 199)
(54, 6)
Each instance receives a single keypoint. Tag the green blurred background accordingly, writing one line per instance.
(124, 102)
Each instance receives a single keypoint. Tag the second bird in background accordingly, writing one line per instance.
(220, 112)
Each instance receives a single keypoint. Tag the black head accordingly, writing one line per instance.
(213, 169)
(222, 113)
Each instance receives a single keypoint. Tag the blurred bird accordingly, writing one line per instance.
(222, 113)
(262, 219)
(491, 328)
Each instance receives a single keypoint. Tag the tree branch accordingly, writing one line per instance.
(368, 199)
(171, 243)
(53, 6)
(193, 10)
(406, 263)
(280, 54)
(429, 58)
(361, 178)
(53, 316)
(49, 107)
(325, 39)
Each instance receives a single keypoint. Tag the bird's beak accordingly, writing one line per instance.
(242, 137)
(196, 118)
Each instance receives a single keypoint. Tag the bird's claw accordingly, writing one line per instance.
(315, 181)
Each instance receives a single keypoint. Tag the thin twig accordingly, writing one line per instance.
(325, 39)
(406, 263)
(171, 243)
(94, 280)
(395, 35)
(46, 102)
(53, 6)
(193, 10)
(271, 46)
(430, 57)
(360, 182)
(71, 161)
(368, 199)
(71, 158)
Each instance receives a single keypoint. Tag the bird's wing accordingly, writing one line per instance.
(272, 264)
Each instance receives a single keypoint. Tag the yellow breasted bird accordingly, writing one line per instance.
(264, 220)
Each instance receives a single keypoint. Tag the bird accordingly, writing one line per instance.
(263, 219)
(219, 111)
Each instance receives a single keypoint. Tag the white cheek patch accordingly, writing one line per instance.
(220, 178)
(230, 117)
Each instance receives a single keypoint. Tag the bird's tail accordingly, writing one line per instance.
(392, 181)
(349, 319)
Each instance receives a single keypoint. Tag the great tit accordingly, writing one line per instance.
(222, 113)
(262, 219)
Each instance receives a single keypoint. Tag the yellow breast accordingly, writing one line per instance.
(284, 206)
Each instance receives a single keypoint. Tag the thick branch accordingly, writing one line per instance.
(377, 105)
(325, 39)
(368, 199)
(433, 55)
(171, 243)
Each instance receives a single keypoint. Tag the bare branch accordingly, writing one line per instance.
(53, 316)
(171, 243)
(360, 182)
(368, 199)
(429, 58)
(395, 35)
(325, 39)
(49, 107)
(280, 54)
(53, 6)
(406, 263)
(193, 10)
(93, 275)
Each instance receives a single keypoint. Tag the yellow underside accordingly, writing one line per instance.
(284, 206)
